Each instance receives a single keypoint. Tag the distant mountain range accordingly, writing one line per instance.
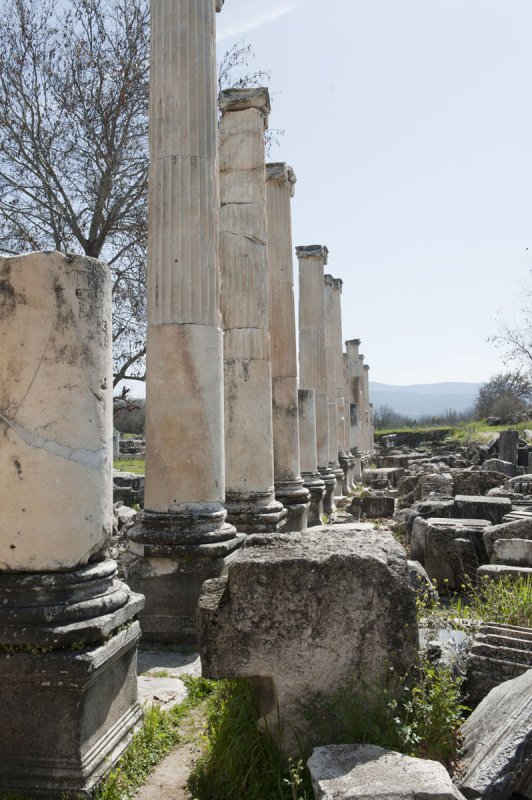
(424, 398)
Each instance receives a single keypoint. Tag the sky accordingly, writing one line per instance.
(408, 124)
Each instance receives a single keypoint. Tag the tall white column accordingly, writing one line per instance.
(331, 290)
(354, 382)
(309, 459)
(370, 442)
(250, 497)
(347, 425)
(313, 354)
(183, 536)
(289, 488)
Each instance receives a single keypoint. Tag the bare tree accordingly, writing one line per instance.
(74, 80)
(504, 395)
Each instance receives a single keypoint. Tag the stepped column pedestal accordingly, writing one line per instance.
(309, 462)
(313, 356)
(250, 496)
(182, 537)
(289, 485)
(68, 629)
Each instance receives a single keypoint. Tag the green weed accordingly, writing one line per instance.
(240, 762)
(135, 465)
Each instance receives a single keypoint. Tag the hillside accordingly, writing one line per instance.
(424, 398)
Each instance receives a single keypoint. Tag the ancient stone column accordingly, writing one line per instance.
(369, 441)
(313, 355)
(183, 536)
(332, 287)
(68, 635)
(309, 459)
(289, 488)
(347, 426)
(250, 498)
(354, 378)
(337, 351)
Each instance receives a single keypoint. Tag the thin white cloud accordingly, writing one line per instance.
(240, 20)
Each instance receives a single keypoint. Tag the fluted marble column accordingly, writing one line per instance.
(289, 488)
(370, 443)
(183, 536)
(332, 287)
(337, 349)
(354, 380)
(347, 425)
(309, 459)
(68, 634)
(250, 498)
(313, 355)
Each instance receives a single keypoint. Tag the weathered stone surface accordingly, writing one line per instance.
(508, 444)
(390, 476)
(497, 465)
(442, 483)
(338, 596)
(83, 704)
(372, 506)
(450, 549)
(500, 570)
(419, 580)
(517, 529)
(514, 552)
(476, 482)
(497, 744)
(499, 653)
(521, 484)
(490, 508)
(368, 772)
(55, 411)
(128, 487)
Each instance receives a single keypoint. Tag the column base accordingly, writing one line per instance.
(358, 466)
(68, 687)
(338, 473)
(343, 460)
(255, 512)
(351, 474)
(316, 487)
(329, 479)
(295, 497)
(170, 556)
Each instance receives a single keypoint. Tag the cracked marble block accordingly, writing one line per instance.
(308, 612)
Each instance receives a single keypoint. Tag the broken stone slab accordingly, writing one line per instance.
(369, 772)
(498, 654)
(441, 483)
(389, 475)
(497, 743)
(498, 465)
(339, 608)
(500, 570)
(516, 529)
(435, 505)
(449, 549)
(476, 507)
(129, 488)
(373, 506)
(476, 481)
(521, 484)
(513, 552)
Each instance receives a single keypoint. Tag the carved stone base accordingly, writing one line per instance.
(339, 475)
(68, 679)
(170, 556)
(296, 499)
(316, 487)
(329, 479)
(256, 512)
(343, 460)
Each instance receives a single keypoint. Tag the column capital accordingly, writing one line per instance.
(313, 251)
(281, 173)
(355, 342)
(241, 99)
(334, 283)
(219, 4)
(366, 366)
